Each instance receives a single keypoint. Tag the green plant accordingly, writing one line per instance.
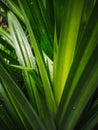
(49, 65)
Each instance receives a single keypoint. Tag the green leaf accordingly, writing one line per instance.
(9, 111)
(21, 67)
(86, 14)
(67, 44)
(91, 119)
(87, 46)
(6, 119)
(24, 110)
(58, 77)
(3, 5)
(41, 26)
(85, 51)
(12, 5)
(23, 52)
(28, 62)
(83, 91)
(6, 36)
(45, 79)
(8, 57)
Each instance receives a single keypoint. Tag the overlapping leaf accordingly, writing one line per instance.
(73, 63)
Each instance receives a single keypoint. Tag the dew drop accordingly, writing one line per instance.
(31, 3)
(73, 108)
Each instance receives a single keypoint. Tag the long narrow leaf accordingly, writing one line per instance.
(84, 90)
(27, 60)
(15, 9)
(67, 44)
(22, 105)
(9, 108)
(46, 83)
(84, 53)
